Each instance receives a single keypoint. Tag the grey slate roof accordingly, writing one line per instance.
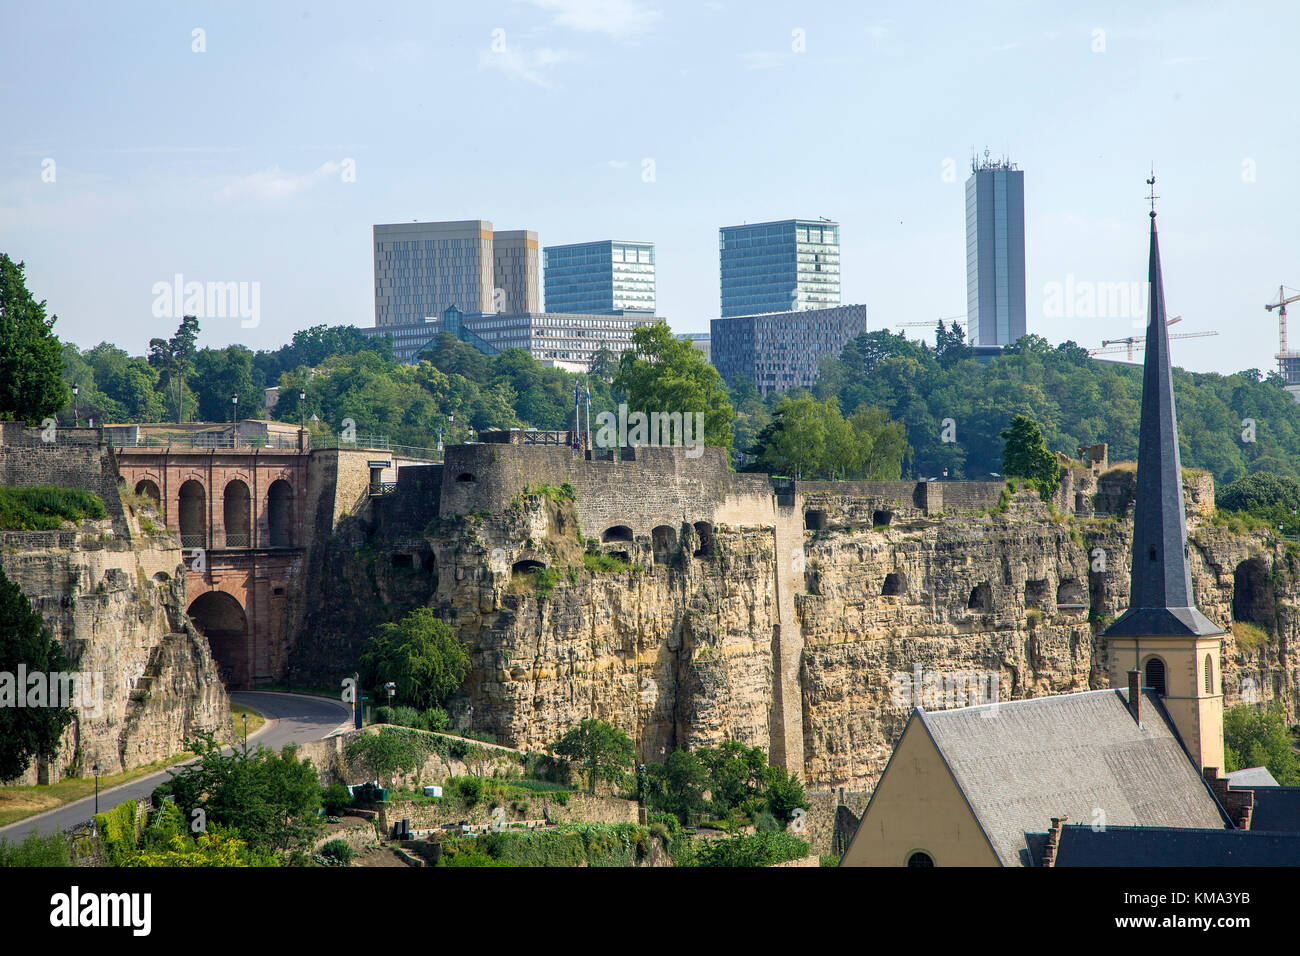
(1160, 600)
(1251, 777)
(1277, 809)
(1069, 755)
(1162, 846)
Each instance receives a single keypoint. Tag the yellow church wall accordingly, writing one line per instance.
(918, 806)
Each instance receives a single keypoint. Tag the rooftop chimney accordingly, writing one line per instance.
(1053, 841)
(1135, 695)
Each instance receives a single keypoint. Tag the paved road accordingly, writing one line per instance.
(291, 718)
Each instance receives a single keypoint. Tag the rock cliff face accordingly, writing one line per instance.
(678, 649)
(114, 596)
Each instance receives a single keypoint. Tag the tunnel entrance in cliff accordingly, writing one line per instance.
(222, 621)
(1253, 600)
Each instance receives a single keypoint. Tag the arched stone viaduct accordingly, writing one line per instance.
(241, 516)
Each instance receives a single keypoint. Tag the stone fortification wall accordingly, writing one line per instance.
(73, 459)
(660, 486)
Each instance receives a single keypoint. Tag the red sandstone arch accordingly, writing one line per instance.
(192, 513)
(221, 619)
(279, 513)
(237, 514)
(148, 488)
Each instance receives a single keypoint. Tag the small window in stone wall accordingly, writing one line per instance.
(981, 597)
(882, 519)
(465, 476)
(895, 583)
(814, 520)
(1209, 674)
(704, 531)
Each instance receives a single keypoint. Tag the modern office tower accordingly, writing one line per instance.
(778, 351)
(786, 266)
(995, 253)
(514, 267)
(421, 268)
(600, 277)
(565, 340)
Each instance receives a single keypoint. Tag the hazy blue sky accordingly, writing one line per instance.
(229, 164)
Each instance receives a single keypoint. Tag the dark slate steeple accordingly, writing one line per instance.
(1160, 601)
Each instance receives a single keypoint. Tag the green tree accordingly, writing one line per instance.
(27, 731)
(1258, 737)
(785, 794)
(602, 750)
(267, 799)
(173, 358)
(1025, 455)
(219, 375)
(31, 358)
(659, 373)
(421, 654)
(677, 785)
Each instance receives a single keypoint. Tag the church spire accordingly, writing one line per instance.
(1160, 601)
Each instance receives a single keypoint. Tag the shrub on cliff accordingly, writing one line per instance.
(421, 654)
(45, 508)
(34, 729)
(1274, 499)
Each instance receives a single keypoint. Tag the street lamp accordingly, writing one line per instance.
(245, 734)
(391, 688)
(76, 390)
(302, 407)
(234, 408)
(94, 768)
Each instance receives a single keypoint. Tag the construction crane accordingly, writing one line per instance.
(1280, 305)
(1129, 340)
(930, 325)
(1133, 343)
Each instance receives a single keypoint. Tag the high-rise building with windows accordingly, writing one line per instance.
(422, 268)
(603, 277)
(778, 351)
(786, 266)
(995, 253)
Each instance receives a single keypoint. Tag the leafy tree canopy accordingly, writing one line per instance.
(421, 654)
(1025, 455)
(31, 358)
(602, 750)
(659, 373)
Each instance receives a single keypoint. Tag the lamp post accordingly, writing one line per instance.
(302, 407)
(76, 418)
(245, 734)
(94, 768)
(390, 688)
(234, 408)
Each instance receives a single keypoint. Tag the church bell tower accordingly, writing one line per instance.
(1174, 647)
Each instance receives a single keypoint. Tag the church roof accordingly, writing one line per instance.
(1174, 846)
(1160, 598)
(1080, 756)
(1277, 809)
(1251, 777)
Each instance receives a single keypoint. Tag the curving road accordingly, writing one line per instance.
(290, 718)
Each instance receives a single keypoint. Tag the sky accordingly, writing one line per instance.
(257, 143)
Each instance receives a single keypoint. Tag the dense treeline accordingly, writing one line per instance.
(1230, 425)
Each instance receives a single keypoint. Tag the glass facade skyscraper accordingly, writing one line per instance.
(600, 277)
(792, 265)
(995, 253)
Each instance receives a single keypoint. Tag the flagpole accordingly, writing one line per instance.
(587, 385)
